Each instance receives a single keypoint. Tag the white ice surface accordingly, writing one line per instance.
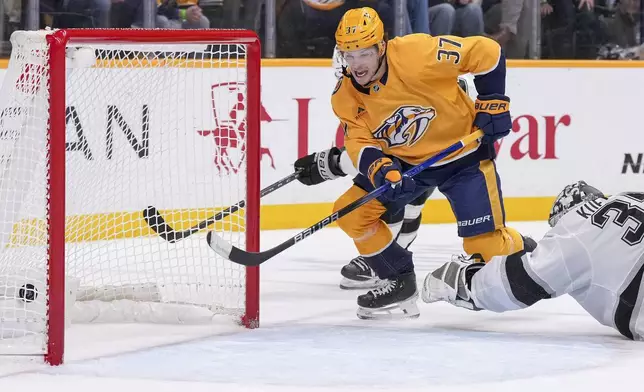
(311, 340)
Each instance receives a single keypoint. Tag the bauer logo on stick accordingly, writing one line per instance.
(406, 126)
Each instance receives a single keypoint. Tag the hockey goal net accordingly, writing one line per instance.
(97, 125)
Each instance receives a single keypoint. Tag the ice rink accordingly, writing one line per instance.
(311, 340)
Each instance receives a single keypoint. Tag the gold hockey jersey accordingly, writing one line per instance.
(416, 109)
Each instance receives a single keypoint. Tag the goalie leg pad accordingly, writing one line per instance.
(449, 283)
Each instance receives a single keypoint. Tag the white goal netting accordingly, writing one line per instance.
(159, 125)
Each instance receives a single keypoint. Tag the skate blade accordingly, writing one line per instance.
(348, 284)
(402, 310)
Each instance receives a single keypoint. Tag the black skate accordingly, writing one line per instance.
(395, 294)
(358, 275)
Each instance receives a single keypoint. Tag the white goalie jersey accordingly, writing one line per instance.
(595, 253)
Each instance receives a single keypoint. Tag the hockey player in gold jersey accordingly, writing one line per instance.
(399, 104)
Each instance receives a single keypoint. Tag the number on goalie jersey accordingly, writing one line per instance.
(594, 253)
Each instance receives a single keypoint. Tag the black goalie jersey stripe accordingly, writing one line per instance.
(525, 289)
(626, 305)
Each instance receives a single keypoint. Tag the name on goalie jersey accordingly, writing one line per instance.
(405, 126)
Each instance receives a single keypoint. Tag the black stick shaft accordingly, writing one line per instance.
(240, 256)
(157, 222)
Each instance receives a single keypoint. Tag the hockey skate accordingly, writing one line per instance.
(395, 299)
(357, 274)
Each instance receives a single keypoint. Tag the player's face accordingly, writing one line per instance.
(363, 64)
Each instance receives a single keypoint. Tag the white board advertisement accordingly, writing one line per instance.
(568, 124)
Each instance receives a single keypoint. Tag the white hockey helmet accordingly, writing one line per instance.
(571, 196)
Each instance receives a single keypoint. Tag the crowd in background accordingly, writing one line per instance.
(570, 29)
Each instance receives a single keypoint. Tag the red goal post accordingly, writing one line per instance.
(229, 52)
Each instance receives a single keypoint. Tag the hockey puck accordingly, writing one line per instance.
(28, 293)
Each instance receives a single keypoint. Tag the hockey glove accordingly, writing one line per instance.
(450, 283)
(383, 171)
(493, 116)
(319, 167)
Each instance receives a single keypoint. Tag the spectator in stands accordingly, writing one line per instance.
(305, 28)
(85, 13)
(13, 11)
(417, 17)
(252, 14)
(570, 29)
(622, 28)
(509, 22)
(178, 14)
(239, 14)
(171, 14)
(457, 17)
(324, 15)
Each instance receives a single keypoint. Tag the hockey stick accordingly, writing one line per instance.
(157, 223)
(236, 255)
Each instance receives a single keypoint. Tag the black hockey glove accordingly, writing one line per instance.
(493, 116)
(319, 167)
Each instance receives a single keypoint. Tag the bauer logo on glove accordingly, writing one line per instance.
(493, 116)
(492, 107)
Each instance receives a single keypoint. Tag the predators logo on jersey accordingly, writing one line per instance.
(405, 126)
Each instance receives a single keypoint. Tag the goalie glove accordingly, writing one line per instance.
(319, 167)
(450, 283)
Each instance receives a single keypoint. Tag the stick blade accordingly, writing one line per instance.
(155, 220)
(232, 253)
